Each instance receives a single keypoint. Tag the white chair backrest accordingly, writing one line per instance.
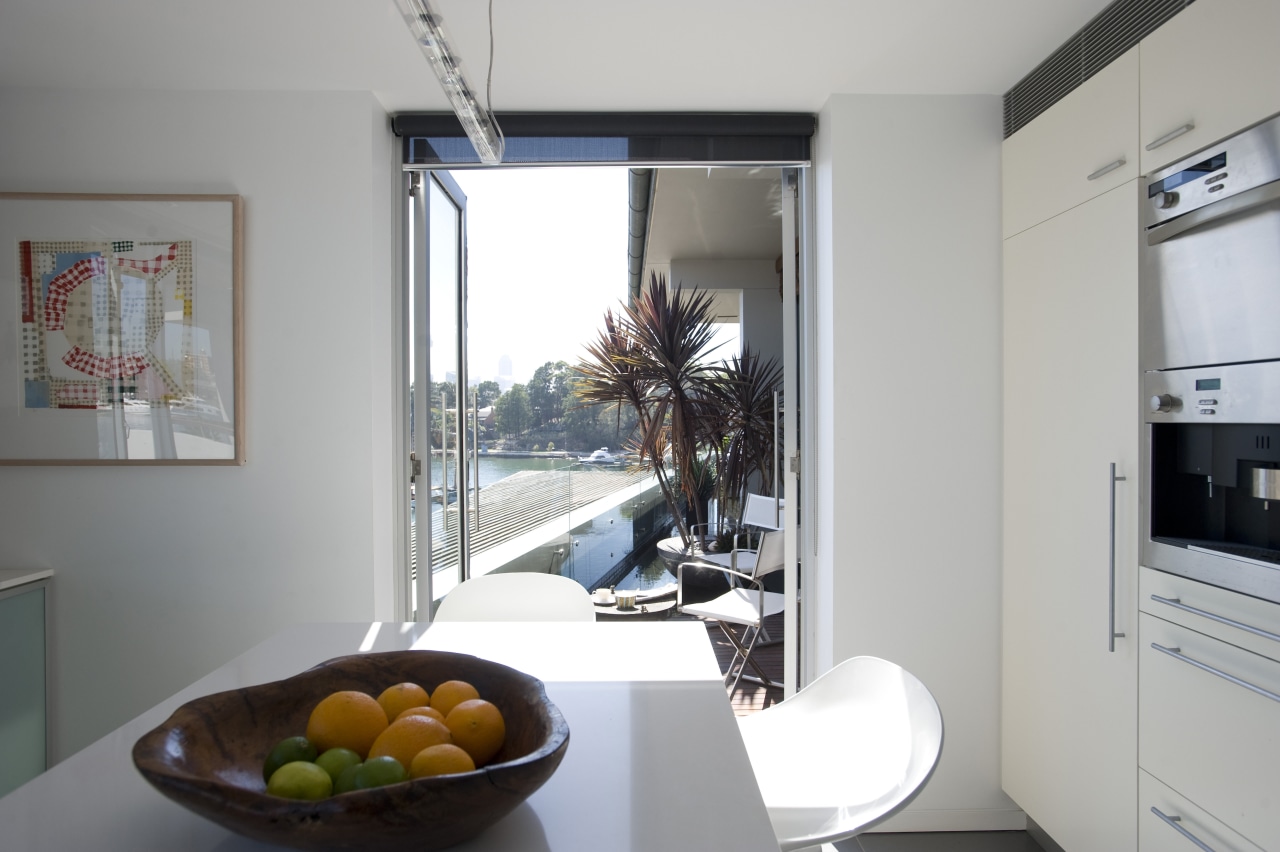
(846, 752)
(518, 596)
(763, 512)
(771, 554)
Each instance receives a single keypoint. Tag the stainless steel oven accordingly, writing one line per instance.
(1210, 355)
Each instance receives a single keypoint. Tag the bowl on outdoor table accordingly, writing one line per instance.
(208, 757)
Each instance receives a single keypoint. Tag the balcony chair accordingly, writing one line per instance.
(845, 753)
(746, 603)
(517, 596)
(763, 512)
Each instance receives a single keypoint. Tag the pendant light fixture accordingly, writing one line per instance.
(477, 121)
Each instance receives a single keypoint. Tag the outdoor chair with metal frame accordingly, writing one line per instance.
(746, 605)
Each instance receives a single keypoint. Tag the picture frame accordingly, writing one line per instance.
(121, 329)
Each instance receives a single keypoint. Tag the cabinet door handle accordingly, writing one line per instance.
(1112, 635)
(1107, 169)
(1221, 619)
(1172, 822)
(1177, 654)
(1172, 135)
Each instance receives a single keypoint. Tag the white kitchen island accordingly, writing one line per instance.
(655, 760)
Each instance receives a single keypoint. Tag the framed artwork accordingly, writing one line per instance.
(121, 329)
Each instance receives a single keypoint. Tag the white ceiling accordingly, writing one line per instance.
(550, 54)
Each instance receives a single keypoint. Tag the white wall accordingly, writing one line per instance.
(908, 345)
(166, 573)
(759, 308)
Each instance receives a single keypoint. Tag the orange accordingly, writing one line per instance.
(421, 711)
(443, 759)
(396, 699)
(477, 726)
(347, 719)
(404, 738)
(450, 693)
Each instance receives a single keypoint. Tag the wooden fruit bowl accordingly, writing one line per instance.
(208, 757)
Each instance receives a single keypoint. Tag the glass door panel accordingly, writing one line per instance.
(439, 436)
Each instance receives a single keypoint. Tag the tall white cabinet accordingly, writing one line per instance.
(1069, 707)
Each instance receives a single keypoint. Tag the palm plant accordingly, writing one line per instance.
(650, 356)
(712, 422)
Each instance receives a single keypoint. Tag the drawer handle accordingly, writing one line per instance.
(1175, 653)
(1107, 169)
(1172, 135)
(1172, 822)
(1221, 619)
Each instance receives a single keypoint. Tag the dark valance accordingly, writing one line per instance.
(437, 139)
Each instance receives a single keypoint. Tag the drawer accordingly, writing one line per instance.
(1215, 741)
(1168, 822)
(1250, 623)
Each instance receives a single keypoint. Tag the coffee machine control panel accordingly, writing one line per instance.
(1233, 393)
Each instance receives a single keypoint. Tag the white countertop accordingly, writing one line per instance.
(655, 760)
(10, 577)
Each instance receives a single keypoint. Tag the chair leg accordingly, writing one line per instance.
(743, 648)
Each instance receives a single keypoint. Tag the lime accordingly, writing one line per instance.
(300, 780)
(346, 781)
(335, 760)
(287, 751)
(378, 772)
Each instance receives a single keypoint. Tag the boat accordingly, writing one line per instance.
(602, 456)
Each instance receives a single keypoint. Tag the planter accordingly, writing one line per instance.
(700, 584)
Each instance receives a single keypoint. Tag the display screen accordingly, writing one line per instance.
(1199, 170)
(1208, 384)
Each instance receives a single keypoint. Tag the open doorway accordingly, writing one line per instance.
(514, 270)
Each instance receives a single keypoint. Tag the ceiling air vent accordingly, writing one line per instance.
(1113, 31)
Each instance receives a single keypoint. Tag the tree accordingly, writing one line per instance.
(488, 393)
(512, 411)
(547, 391)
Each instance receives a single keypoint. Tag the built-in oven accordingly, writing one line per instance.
(1210, 355)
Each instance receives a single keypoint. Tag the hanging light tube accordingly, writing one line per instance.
(428, 31)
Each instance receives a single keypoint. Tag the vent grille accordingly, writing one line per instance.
(1112, 31)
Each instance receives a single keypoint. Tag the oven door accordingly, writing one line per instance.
(1210, 284)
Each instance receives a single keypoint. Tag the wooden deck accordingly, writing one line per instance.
(750, 697)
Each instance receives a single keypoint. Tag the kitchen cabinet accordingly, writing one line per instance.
(1071, 394)
(1169, 822)
(1212, 68)
(1209, 709)
(1084, 146)
(23, 674)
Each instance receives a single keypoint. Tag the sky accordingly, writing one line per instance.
(547, 255)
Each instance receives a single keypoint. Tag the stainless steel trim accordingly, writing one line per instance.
(1171, 135)
(1107, 169)
(1266, 483)
(1111, 583)
(1172, 822)
(1177, 655)
(1221, 619)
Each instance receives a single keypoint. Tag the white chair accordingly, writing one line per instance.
(845, 753)
(763, 511)
(746, 605)
(517, 596)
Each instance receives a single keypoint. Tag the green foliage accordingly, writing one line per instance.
(487, 393)
(512, 411)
